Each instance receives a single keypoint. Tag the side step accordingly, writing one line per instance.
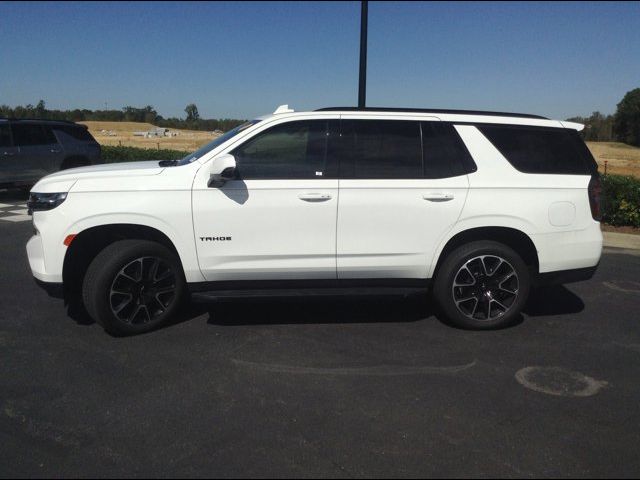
(221, 294)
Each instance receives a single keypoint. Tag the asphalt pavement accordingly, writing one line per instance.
(368, 387)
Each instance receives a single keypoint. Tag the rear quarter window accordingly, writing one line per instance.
(78, 133)
(541, 150)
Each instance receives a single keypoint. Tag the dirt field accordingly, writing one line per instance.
(121, 133)
(621, 159)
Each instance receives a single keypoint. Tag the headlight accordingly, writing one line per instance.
(44, 201)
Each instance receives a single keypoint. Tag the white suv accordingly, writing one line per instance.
(480, 206)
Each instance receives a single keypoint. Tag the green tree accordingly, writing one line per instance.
(192, 112)
(41, 110)
(627, 118)
(598, 127)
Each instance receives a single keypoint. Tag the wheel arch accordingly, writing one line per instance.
(90, 241)
(514, 238)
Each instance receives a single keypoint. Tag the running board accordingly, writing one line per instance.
(213, 295)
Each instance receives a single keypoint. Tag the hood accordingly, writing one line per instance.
(63, 181)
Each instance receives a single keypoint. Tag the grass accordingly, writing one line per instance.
(621, 159)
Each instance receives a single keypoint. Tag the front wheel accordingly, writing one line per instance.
(482, 285)
(133, 286)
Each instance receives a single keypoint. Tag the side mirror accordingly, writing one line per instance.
(223, 169)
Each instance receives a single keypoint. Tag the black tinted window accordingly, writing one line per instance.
(49, 137)
(445, 154)
(380, 149)
(26, 134)
(288, 151)
(78, 133)
(5, 136)
(541, 150)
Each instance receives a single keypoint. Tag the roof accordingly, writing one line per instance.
(430, 110)
(42, 120)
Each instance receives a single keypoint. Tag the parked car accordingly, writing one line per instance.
(478, 206)
(31, 149)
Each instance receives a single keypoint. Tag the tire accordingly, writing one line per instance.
(133, 286)
(482, 285)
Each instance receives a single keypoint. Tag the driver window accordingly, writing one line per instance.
(294, 150)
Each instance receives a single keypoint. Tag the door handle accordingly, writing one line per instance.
(315, 197)
(438, 197)
(53, 150)
(8, 154)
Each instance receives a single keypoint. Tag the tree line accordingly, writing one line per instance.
(622, 126)
(147, 114)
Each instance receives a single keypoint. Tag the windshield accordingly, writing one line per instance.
(192, 157)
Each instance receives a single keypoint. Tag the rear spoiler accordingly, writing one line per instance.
(575, 126)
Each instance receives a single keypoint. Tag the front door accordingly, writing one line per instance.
(277, 220)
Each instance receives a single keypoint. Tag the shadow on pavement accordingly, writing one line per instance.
(555, 300)
(319, 310)
(552, 300)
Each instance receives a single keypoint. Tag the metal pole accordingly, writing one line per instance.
(362, 90)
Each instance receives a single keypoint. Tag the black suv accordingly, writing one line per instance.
(31, 149)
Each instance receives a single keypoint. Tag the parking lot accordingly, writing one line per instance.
(360, 387)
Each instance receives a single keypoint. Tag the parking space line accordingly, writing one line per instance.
(16, 218)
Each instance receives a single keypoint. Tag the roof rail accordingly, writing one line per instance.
(430, 110)
(15, 119)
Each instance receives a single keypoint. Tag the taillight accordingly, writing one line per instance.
(595, 191)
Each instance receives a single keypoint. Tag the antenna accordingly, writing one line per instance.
(283, 109)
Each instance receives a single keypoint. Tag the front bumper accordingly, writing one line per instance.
(53, 289)
(35, 253)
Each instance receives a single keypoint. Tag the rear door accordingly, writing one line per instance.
(402, 188)
(39, 150)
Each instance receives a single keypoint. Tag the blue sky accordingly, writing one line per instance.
(243, 59)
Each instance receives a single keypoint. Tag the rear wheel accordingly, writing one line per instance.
(133, 286)
(482, 285)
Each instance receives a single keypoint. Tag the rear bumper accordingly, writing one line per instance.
(572, 250)
(565, 276)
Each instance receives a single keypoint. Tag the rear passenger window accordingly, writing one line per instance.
(541, 150)
(294, 150)
(30, 134)
(5, 136)
(380, 149)
(445, 154)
